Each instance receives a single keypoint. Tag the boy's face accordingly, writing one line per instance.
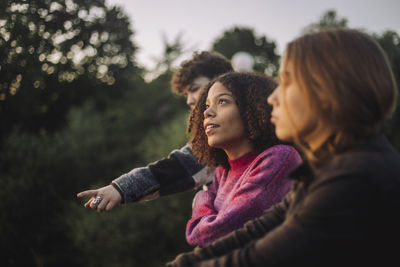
(193, 90)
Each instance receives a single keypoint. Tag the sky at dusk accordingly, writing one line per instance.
(201, 22)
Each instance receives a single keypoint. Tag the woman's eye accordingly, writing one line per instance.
(207, 106)
(222, 101)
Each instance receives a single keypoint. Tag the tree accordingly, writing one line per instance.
(328, 20)
(390, 42)
(55, 54)
(172, 51)
(244, 39)
(131, 232)
(43, 224)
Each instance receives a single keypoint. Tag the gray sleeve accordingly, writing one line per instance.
(135, 184)
(169, 175)
(204, 176)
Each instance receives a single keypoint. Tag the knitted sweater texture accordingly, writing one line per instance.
(254, 183)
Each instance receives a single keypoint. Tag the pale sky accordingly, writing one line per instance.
(202, 21)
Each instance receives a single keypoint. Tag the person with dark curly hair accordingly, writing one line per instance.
(196, 73)
(230, 130)
(180, 171)
(336, 91)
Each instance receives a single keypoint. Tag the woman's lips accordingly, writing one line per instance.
(210, 127)
(273, 119)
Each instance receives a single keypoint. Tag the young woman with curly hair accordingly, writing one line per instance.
(230, 130)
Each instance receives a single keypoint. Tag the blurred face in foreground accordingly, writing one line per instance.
(223, 124)
(193, 90)
(292, 116)
(289, 111)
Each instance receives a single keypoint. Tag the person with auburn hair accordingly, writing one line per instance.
(336, 91)
(230, 130)
(180, 171)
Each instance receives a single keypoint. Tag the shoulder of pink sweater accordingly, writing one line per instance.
(278, 156)
(281, 151)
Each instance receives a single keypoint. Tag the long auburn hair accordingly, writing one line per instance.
(250, 91)
(345, 78)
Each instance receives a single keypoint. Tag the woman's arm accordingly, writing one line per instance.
(169, 175)
(329, 223)
(253, 230)
(176, 173)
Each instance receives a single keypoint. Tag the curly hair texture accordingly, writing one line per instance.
(250, 91)
(208, 64)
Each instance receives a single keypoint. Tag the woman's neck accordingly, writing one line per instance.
(238, 165)
(237, 150)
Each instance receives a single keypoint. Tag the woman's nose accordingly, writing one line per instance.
(272, 98)
(209, 112)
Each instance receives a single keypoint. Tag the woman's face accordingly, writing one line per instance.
(290, 113)
(223, 124)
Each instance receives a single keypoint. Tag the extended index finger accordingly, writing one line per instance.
(87, 193)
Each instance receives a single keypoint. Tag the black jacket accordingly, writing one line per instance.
(179, 172)
(344, 213)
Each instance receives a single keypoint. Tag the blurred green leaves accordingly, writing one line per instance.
(55, 54)
(245, 39)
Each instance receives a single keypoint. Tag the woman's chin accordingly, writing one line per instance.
(214, 143)
(283, 136)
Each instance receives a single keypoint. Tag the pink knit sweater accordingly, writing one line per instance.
(253, 183)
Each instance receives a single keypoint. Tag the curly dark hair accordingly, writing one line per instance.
(250, 91)
(208, 64)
